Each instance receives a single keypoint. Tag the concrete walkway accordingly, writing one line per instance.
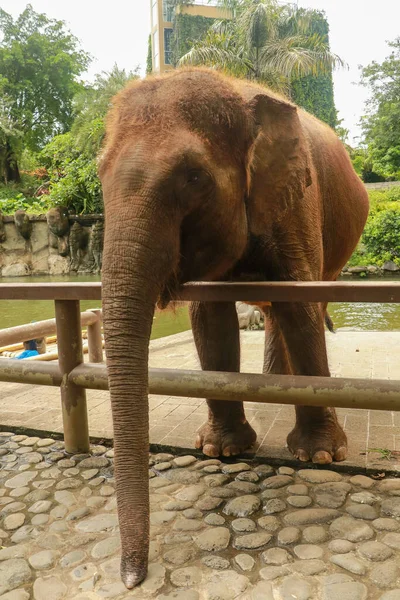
(174, 421)
(218, 531)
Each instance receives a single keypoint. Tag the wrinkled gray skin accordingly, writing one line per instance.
(58, 223)
(23, 224)
(2, 229)
(78, 242)
(96, 245)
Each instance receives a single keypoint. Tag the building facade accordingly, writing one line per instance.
(162, 26)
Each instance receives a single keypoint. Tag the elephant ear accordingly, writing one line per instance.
(279, 170)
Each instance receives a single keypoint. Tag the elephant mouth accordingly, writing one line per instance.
(169, 292)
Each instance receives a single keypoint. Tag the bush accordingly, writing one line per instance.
(382, 232)
(12, 199)
(73, 176)
(380, 241)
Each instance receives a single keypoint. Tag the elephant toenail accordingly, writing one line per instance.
(341, 453)
(303, 455)
(322, 458)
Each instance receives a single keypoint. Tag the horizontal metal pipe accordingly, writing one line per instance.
(374, 394)
(293, 291)
(50, 291)
(35, 373)
(31, 331)
(276, 291)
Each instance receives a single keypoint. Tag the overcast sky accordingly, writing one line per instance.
(117, 32)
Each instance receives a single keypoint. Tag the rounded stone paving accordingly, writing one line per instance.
(219, 531)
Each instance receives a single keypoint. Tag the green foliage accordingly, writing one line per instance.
(91, 105)
(381, 125)
(382, 232)
(272, 43)
(40, 62)
(363, 164)
(315, 95)
(70, 158)
(13, 198)
(149, 61)
(188, 29)
(380, 198)
(311, 92)
(380, 241)
(73, 176)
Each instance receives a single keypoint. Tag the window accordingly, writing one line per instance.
(156, 50)
(167, 46)
(168, 11)
(154, 13)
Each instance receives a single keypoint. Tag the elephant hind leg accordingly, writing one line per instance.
(276, 356)
(317, 434)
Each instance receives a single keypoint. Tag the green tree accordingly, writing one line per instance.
(381, 125)
(10, 141)
(91, 104)
(265, 41)
(71, 158)
(313, 92)
(40, 63)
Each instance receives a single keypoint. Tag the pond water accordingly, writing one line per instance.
(18, 312)
(355, 316)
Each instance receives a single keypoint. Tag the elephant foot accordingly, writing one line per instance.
(225, 439)
(319, 440)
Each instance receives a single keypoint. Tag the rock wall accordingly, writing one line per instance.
(33, 245)
(382, 185)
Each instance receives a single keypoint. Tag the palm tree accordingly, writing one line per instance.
(265, 41)
(91, 105)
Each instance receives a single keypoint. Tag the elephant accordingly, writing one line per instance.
(211, 178)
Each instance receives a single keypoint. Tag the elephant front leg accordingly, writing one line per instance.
(317, 435)
(216, 334)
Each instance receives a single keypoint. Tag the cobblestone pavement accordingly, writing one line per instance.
(219, 531)
(174, 421)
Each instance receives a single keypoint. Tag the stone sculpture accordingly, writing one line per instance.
(2, 229)
(249, 317)
(78, 243)
(58, 223)
(96, 245)
(23, 224)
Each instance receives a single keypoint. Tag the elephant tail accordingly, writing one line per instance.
(329, 323)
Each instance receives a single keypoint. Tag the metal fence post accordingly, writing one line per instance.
(70, 355)
(95, 341)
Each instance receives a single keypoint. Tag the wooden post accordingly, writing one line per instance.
(95, 341)
(70, 355)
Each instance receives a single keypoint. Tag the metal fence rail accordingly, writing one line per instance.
(73, 376)
(276, 291)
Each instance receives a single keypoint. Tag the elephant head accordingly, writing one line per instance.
(187, 163)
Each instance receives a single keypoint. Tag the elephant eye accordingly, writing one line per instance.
(194, 177)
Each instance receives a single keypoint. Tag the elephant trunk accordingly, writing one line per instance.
(136, 261)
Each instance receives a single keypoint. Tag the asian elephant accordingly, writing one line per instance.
(211, 178)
